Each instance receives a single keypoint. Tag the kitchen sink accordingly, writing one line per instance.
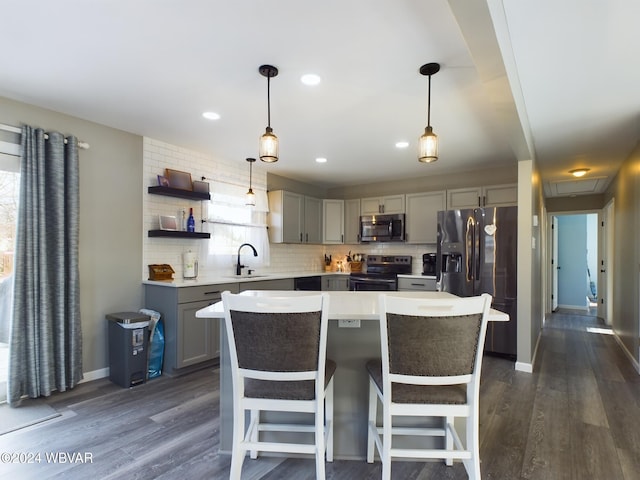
(245, 276)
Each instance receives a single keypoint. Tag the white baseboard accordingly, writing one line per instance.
(634, 361)
(524, 367)
(95, 375)
(528, 367)
(575, 307)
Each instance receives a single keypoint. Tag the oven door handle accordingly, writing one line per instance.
(372, 280)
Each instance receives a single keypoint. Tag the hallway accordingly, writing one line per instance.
(576, 417)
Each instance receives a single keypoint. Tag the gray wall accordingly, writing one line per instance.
(530, 254)
(429, 183)
(579, 203)
(110, 220)
(625, 188)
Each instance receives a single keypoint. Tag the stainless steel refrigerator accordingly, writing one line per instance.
(477, 253)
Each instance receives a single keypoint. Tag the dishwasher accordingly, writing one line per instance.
(313, 283)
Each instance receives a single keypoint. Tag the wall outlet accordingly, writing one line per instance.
(348, 323)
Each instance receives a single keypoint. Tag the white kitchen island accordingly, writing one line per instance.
(353, 339)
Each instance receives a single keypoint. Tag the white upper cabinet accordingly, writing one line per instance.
(487, 196)
(333, 221)
(294, 218)
(352, 220)
(389, 204)
(422, 216)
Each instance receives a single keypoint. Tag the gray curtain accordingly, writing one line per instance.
(45, 351)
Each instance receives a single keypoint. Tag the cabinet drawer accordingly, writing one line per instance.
(205, 292)
(424, 284)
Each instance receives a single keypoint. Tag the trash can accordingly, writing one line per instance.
(128, 343)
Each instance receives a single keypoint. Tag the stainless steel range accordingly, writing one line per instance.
(382, 273)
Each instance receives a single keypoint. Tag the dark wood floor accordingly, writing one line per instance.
(576, 417)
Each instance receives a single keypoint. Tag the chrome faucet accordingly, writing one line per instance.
(238, 266)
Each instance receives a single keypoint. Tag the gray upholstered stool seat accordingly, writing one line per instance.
(300, 390)
(405, 393)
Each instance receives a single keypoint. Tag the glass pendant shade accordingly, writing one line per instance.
(250, 198)
(428, 146)
(269, 146)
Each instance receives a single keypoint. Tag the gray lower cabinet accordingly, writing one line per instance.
(189, 341)
(335, 283)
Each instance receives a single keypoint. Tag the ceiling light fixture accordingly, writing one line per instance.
(402, 144)
(321, 160)
(268, 141)
(579, 172)
(428, 143)
(310, 79)
(211, 115)
(250, 197)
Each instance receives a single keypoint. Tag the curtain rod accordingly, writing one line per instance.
(9, 128)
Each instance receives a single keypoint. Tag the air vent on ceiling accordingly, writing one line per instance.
(586, 186)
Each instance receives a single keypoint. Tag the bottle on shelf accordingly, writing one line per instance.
(191, 222)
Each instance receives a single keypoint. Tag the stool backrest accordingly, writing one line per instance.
(277, 337)
(439, 339)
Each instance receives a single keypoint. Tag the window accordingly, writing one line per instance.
(9, 190)
(232, 223)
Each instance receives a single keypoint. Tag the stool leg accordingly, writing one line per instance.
(320, 447)
(328, 405)
(237, 453)
(255, 423)
(448, 423)
(373, 413)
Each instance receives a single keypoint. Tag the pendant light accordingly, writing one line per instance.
(268, 141)
(428, 143)
(250, 197)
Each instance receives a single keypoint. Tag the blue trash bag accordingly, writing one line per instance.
(155, 350)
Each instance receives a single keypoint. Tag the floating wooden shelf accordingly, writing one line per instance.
(178, 234)
(179, 193)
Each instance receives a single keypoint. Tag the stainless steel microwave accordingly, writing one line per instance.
(382, 228)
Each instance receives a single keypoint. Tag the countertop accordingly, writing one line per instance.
(220, 279)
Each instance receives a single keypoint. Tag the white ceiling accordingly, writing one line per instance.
(555, 81)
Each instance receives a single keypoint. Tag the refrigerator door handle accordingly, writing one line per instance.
(469, 245)
(477, 253)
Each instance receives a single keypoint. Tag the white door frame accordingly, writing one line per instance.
(552, 276)
(605, 269)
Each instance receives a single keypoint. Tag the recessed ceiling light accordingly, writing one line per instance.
(211, 115)
(402, 144)
(321, 160)
(310, 79)
(579, 172)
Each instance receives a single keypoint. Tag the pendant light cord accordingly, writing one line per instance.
(269, 102)
(429, 104)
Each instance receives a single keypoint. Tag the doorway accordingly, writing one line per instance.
(574, 265)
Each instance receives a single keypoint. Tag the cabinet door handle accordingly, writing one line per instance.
(307, 238)
(216, 292)
(479, 204)
(418, 285)
(300, 237)
(342, 237)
